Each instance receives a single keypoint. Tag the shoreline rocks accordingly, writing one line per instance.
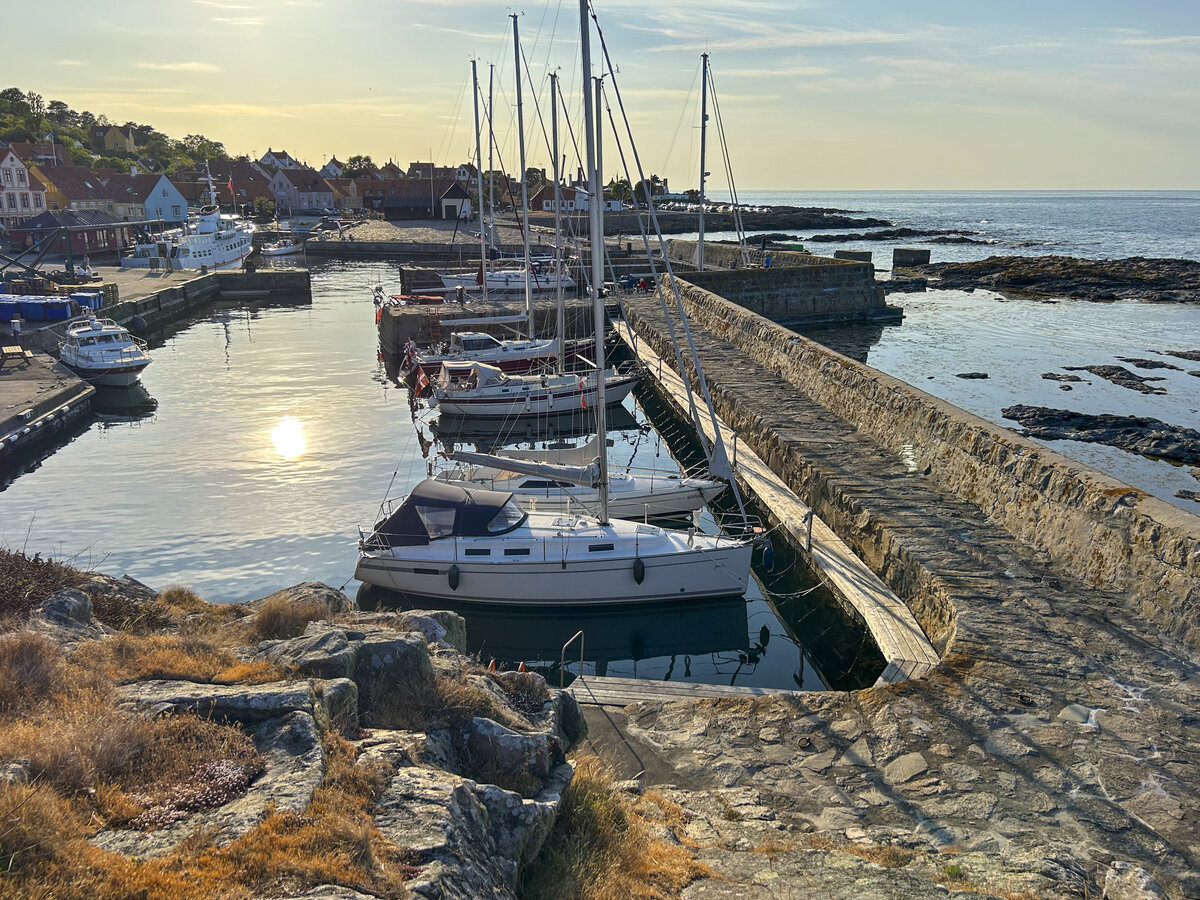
(1136, 278)
(1136, 434)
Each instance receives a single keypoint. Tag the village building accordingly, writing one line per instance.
(424, 199)
(300, 190)
(76, 187)
(92, 232)
(22, 194)
(279, 159)
(250, 184)
(345, 193)
(110, 138)
(333, 168)
(42, 154)
(142, 197)
(390, 171)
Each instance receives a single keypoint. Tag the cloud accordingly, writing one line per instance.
(249, 110)
(70, 62)
(242, 21)
(180, 67)
(777, 72)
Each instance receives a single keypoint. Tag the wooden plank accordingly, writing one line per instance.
(593, 690)
(900, 639)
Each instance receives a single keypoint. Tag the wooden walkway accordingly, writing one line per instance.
(900, 639)
(593, 690)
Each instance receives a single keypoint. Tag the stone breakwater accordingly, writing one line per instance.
(1137, 278)
(1054, 750)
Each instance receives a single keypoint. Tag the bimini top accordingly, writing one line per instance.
(435, 510)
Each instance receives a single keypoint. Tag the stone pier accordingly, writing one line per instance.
(1055, 749)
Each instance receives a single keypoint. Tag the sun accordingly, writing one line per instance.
(288, 436)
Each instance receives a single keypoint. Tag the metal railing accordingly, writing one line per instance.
(562, 659)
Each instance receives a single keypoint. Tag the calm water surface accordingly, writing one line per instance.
(276, 434)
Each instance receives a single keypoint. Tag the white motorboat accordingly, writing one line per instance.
(102, 352)
(208, 239)
(564, 481)
(481, 391)
(281, 248)
(445, 542)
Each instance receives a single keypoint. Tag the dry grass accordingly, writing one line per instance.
(526, 692)
(888, 856)
(334, 841)
(600, 849)
(414, 704)
(127, 657)
(27, 581)
(280, 618)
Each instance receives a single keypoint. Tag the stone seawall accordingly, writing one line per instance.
(797, 286)
(173, 303)
(1107, 532)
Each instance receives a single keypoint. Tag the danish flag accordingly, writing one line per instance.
(582, 395)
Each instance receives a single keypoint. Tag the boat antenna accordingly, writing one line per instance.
(524, 180)
(597, 251)
(703, 173)
(479, 185)
(558, 291)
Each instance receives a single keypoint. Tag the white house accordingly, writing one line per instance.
(333, 168)
(279, 159)
(584, 203)
(22, 196)
(140, 197)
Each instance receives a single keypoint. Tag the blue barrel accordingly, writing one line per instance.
(32, 308)
(55, 308)
(88, 299)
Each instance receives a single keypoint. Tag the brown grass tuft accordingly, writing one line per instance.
(33, 820)
(32, 670)
(600, 848)
(418, 705)
(279, 618)
(183, 598)
(525, 691)
(128, 657)
(888, 856)
(25, 581)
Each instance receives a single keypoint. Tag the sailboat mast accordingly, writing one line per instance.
(703, 135)
(491, 158)
(558, 260)
(524, 181)
(597, 250)
(479, 185)
(599, 197)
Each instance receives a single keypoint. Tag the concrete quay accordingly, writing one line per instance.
(1054, 751)
(40, 401)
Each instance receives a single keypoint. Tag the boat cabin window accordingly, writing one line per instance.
(509, 517)
(438, 521)
(87, 342)
(480, 343)
(542, 484)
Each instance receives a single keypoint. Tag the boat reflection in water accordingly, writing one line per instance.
(705, 640)
(485, 435)
(123, 403)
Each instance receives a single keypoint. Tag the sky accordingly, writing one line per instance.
(813, 95)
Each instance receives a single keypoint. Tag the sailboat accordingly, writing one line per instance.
(445, 541)
(477, 390)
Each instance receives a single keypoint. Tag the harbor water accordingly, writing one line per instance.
(266, 436)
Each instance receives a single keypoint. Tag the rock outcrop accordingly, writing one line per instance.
(1136, 434)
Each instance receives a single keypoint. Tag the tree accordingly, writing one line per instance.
(535, 178)
(619, 189)
(264, 209)
(61, 114)
(37, 110)
(357, 165)
(14, 99)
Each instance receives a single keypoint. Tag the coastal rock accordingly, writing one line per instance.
(1056, 376)
(1122, 377)
(331, 598)
(294, 765)
(244, 703)
(323, 651)
(971, 375)
(1185, 494)
(510, 751)
(66, 617)
(1136, 278)
(1148, 363)
(1193, 355)
(1136, 434)
(438, 625)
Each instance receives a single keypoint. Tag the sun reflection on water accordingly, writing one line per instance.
(288, 436)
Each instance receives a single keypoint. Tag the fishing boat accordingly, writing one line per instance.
(446, 541)
(102, 352)
(481, 391)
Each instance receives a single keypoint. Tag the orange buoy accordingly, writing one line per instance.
(492, 666)
(521, 667)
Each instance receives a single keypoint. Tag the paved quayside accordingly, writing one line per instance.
(1054, 750)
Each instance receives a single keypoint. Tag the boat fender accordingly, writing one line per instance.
(138, 324)
(453, 577)
(768, 556)
(639, 570)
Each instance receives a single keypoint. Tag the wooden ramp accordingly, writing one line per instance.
(592, 690)
(900, 639)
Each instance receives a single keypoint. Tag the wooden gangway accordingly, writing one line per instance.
(593, 690)
(905, 648)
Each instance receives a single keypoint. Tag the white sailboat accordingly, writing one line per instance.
(481, 391)
(444, 541)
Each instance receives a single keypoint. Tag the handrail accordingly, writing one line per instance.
(562, 659)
